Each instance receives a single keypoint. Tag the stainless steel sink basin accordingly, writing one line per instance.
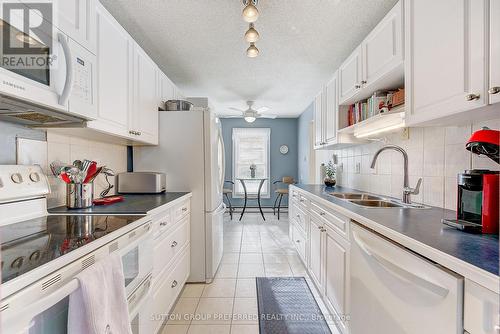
(356, 196)
(376, 203)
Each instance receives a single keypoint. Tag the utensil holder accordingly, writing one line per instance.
(79, 195)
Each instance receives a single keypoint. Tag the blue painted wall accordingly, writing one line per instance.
(283, 131)
(303, 143)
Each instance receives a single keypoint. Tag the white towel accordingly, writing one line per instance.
(99, 306)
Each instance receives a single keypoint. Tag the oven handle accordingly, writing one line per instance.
(68, 85)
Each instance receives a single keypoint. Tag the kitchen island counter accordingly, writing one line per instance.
(475, 256)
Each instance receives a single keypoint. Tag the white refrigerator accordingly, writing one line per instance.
(191, 154)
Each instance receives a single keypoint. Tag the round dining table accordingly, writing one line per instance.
(261, 183)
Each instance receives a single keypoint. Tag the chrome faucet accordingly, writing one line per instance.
(407, 191)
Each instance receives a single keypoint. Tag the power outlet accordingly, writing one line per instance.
(357, 168)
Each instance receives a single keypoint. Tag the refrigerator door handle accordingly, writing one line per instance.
(399, 272)
(223, 174)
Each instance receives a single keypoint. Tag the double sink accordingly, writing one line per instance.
(373, 201)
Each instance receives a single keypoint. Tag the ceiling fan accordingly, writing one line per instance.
(251, 114)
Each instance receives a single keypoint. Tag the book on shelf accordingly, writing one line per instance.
(379, 102)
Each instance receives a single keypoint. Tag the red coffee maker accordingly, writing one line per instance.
(478, 189)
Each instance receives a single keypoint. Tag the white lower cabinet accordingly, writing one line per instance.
(171, 260)
(315, 265)
(336, 264)
(481, 309)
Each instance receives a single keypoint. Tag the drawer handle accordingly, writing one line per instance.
(323, 229)
(184, 209)
(174, 284)
(297, 241)
(322, 213)
(163, 224)
(173, 244)
(472, 97)
(495, 90)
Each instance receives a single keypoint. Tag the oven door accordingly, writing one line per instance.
(137, 262)
(35, 58)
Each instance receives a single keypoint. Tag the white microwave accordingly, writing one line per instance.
(65, 83)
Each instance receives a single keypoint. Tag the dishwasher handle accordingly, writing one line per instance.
(399, 272)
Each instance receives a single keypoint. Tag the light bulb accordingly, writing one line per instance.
(251, 36)
(252, 51)
(249, 119)
(250, 13)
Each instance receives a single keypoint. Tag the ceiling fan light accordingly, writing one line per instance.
(250, 13)
(249, 119)
(251, 36)
(252, 51)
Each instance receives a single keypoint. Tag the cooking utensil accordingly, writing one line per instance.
(178, 105)
(78, 164)
(65, 178)
(91, 176)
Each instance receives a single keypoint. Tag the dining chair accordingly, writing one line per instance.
(280, 192)
(226, 192)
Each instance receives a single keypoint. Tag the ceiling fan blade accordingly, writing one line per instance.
(231, 116)
(263, 109)
(271, 116)
(236, 109)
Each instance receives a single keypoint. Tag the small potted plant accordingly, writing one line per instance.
(330, 175)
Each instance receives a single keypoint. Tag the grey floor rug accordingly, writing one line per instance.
(287, 306)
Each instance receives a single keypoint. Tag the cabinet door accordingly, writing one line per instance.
(383, 47)
(494, 87)
(113, 74)
(350, 76)
(318, 120)
(336, 264)
(145, 112)
(331, 110)
(76, 18)
(445, 67)
(315, 251)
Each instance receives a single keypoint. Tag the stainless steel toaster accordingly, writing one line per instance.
(141, 183)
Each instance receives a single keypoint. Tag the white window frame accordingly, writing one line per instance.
(266, 189)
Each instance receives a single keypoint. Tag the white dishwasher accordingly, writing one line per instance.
(394, 290)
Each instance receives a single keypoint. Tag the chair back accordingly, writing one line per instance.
(288, 180)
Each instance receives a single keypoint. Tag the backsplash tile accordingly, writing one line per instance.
(435, 154)
(67, 149)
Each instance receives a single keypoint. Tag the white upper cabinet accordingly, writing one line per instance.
(382, 49)
(494, 86)
(114, 52)
(350, 76)
(76, 19)
(144, 112)
(318, 120)
(331, 110)
(445, 58)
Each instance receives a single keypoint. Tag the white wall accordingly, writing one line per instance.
(436, 154)
(67, 149)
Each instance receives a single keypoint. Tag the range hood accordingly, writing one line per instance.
(22, 112)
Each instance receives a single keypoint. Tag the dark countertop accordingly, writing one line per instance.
(424, 226)
(132, 204)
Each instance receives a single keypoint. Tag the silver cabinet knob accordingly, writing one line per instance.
(322, 213)
(184, 209)
(472, 97)
(173, 244)
(363, 82)
(358, 86)
(297, 241)
(163, 224)
(174, 284)
(494, 90)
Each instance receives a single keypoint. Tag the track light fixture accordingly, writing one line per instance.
(250, 12)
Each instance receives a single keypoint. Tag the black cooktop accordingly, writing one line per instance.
(30, 244)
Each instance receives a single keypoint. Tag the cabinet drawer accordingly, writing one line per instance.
(162, 222)
(166, 248)
(295, 196)
(337, 221)
(303, 202)
(167, 288)
(299, 240)
(300, 218)
(180, 210)
(481, 310)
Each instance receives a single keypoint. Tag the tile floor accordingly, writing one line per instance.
(252, 248)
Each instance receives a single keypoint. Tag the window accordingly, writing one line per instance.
(251, 147)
